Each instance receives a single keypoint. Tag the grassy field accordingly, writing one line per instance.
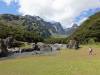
(66, 62)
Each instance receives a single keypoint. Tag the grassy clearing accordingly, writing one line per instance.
(26, 45)
(66, 62)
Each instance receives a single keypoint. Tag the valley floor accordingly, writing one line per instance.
(65, 62)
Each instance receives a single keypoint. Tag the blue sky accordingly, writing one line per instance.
(65, 11)
(86, 13)
(11, 9)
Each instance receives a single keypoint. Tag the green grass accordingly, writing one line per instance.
(66, 62)
(58, 36)
(26, 45)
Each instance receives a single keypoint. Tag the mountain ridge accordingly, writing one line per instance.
(89, 30)
(29, 24)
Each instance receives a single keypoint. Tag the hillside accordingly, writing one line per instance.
(25, 27)
(90, 29)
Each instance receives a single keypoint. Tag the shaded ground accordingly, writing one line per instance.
(65, 62)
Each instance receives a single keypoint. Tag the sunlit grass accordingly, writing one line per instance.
(26, 45)
(66, 62)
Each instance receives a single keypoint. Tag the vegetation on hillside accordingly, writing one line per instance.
(54, 40)
(27, 28)
(89, 30)
(18, 32)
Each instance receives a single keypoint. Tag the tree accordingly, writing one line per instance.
(3, 47)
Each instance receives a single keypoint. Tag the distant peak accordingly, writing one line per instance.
(75, 26)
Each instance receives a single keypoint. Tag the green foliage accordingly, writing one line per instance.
(19, 33)
(53, 40)
(28, 28)
(90, 29)
(91, 41)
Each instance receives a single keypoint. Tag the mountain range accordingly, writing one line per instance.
(70, 30)
(26, 27)
(33, 23)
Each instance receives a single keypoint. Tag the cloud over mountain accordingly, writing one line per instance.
(63, 11)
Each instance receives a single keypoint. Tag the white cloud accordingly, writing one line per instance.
(8, 2)
(63, 11)
(82, 20)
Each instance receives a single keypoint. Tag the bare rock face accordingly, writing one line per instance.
(33, 23)
(70, 30)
